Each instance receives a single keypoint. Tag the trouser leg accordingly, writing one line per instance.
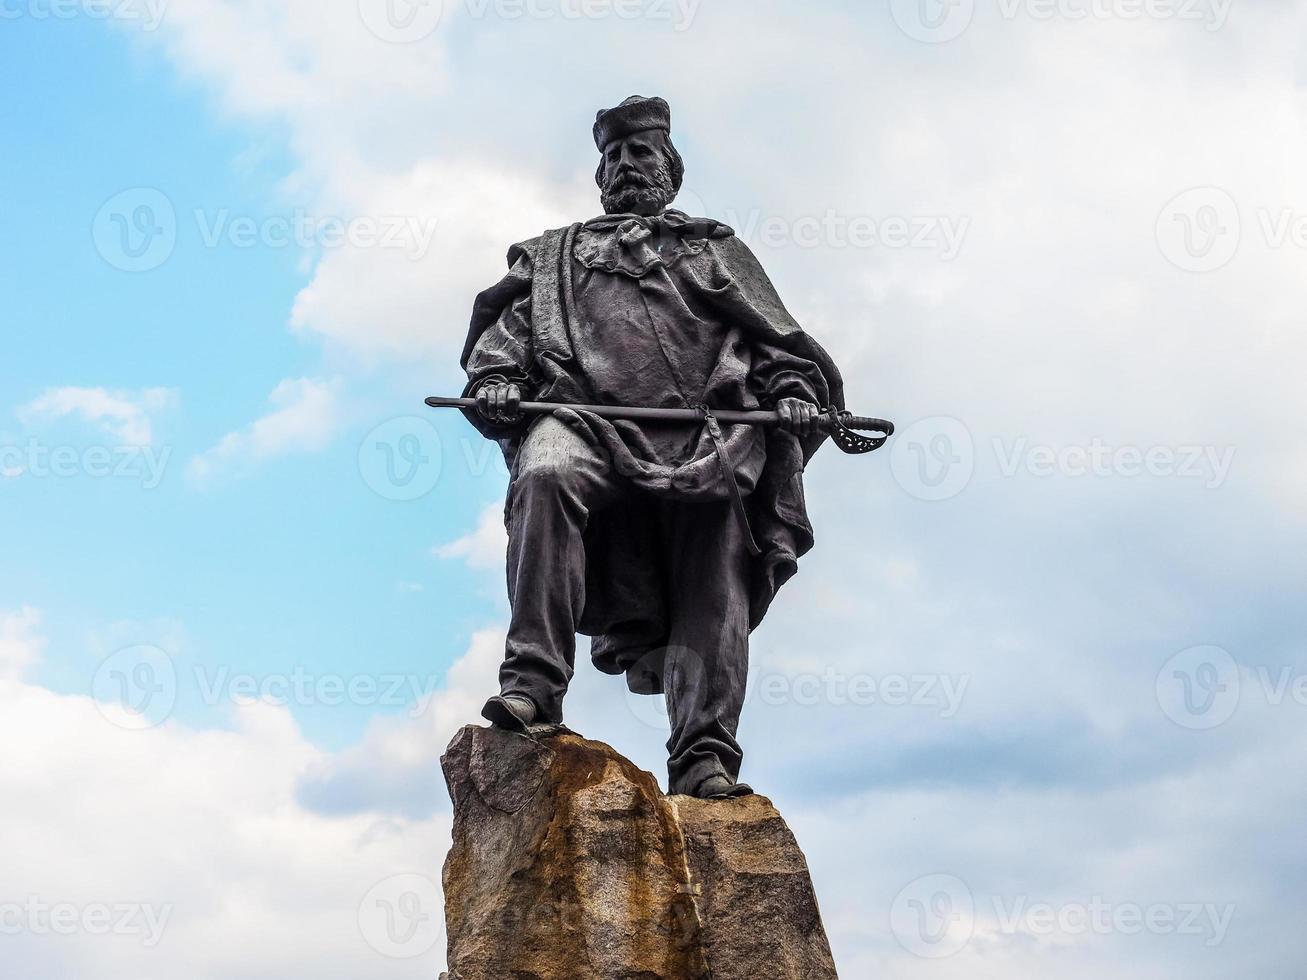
(707, 663)
(558, 480)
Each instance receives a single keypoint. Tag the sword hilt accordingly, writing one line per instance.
(842, 426)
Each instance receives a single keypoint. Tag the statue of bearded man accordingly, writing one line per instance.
(664, 543)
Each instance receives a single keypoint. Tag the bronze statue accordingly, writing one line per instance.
(663, 539)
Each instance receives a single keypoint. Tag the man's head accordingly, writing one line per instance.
(640, 171)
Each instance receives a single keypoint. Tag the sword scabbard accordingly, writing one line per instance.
(840, 425)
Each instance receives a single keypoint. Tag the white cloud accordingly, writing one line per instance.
(201, 825)
(123, 415)
(304, 418)
(402, 302)
(20, 644)
(485, 547)
(390, 770)
(315, 70)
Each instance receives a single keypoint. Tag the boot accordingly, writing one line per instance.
(514, 712)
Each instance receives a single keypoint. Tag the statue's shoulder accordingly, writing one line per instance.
(524, 251)
(725, 240)
(735, 253)
(527, 250)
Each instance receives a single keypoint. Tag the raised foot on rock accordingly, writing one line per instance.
(721, 788)
(511, 712)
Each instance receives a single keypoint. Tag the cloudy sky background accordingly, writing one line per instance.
(1046, 658)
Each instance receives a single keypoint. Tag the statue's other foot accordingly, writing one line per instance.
(721, 788)
(514, 712)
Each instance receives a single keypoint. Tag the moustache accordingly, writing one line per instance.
(630, 178)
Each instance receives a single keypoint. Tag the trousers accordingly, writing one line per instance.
(559, 482)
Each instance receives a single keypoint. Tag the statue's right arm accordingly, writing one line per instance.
(500, 366)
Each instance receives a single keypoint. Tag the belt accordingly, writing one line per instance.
(728, 475)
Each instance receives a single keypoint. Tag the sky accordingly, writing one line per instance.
(1034, 705)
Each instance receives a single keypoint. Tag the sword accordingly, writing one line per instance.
(844, 428)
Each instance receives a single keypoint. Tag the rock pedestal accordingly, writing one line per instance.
(568, 863)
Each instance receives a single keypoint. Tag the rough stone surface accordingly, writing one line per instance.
(568, 863)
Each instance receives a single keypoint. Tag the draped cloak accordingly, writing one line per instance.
(665, 312)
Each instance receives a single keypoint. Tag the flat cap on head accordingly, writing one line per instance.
(634, 115)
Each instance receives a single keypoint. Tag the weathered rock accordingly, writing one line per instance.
(568, 863)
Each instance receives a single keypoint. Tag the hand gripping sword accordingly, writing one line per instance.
(844, 428)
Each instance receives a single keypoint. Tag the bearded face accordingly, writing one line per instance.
(637, 175)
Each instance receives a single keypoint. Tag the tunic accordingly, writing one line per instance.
(667, 311)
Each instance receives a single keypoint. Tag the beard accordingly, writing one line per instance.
(631, 192)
